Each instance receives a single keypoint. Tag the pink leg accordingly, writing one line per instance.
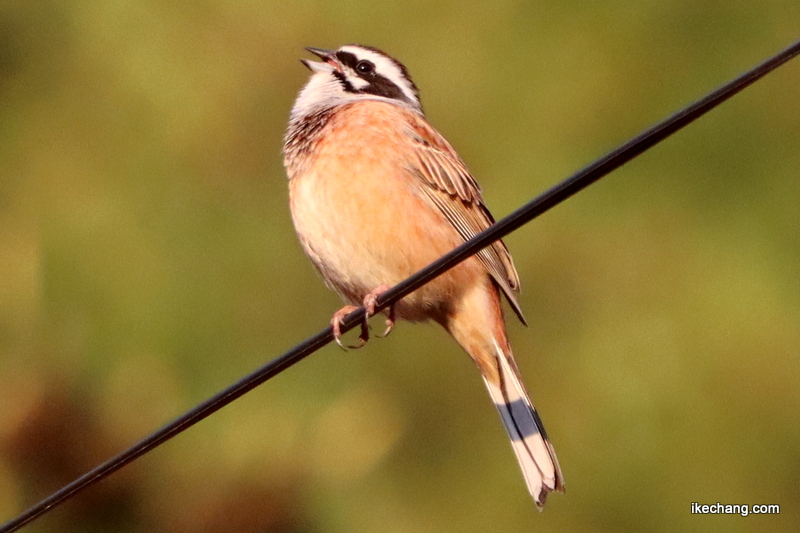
(369, 304)
(336, 324)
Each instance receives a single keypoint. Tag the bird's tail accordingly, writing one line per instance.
(528, 438)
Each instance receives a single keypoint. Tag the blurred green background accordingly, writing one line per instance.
(147, 260)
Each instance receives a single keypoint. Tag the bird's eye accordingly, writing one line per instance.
(365, 67)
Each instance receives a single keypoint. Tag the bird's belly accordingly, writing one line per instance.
(364, 228)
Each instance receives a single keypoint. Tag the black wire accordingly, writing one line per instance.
(525, 214)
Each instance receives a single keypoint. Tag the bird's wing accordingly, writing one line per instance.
(449, 186)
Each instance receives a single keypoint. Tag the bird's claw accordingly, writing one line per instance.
(370, 301)
(336, 324)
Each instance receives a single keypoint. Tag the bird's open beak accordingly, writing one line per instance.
(328, 57)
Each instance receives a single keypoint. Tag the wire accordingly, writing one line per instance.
(518, 218)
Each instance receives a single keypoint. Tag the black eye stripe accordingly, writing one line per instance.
(347, 59)
(360, 66)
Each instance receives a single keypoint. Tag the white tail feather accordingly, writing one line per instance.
(533, 450)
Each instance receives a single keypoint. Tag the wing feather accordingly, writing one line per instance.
(450, 187)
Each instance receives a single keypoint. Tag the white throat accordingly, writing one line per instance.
(321, 92)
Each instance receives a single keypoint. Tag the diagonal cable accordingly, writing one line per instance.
(550, 198)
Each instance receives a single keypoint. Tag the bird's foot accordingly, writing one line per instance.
(370, 301)
(369, 304)
(336, 324)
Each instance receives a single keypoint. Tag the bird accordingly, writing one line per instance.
(376, 194)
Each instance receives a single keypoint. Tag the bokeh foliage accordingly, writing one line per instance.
(147, 260)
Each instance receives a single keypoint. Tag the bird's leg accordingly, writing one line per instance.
(336, 324)
(369, 304)
(370, 301)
